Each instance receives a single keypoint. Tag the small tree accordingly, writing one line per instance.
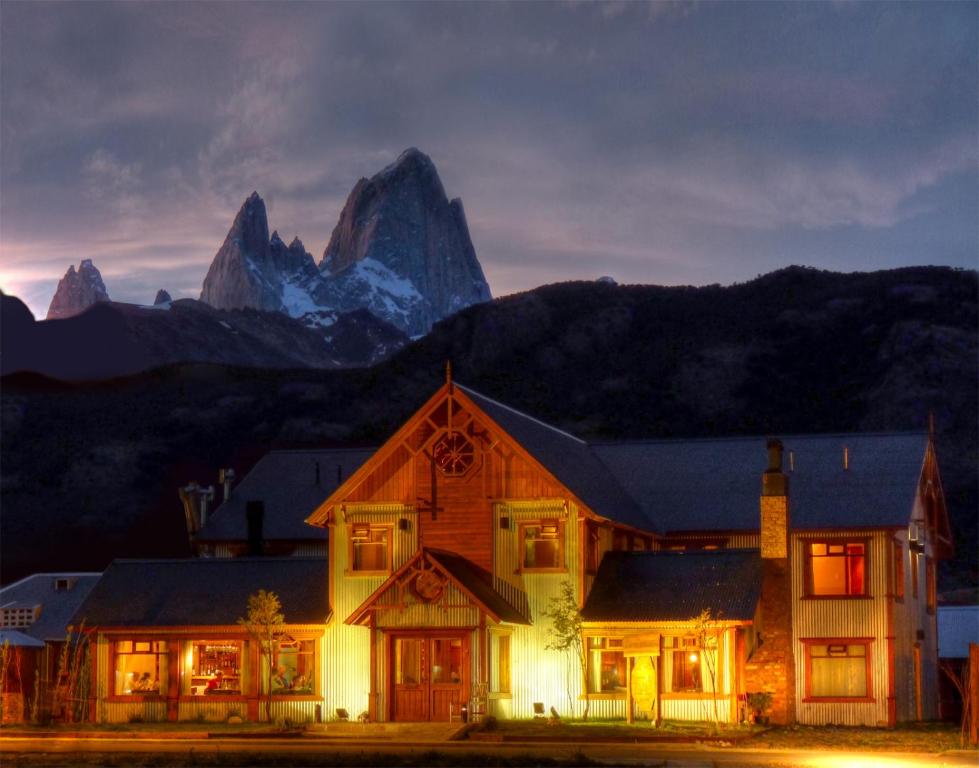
(566, 636)
(709, 635)
(264, 623)
(959, 677)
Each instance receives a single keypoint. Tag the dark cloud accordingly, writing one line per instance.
(660, 142)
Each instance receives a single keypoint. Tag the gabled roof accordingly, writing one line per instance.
(287, 482)
(958, 625)
(204, 592)
(477, 583)
(466, 575)
(704, 485)
(569, 459)
(57, 605)
(675, 586)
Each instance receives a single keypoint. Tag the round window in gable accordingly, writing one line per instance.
(453, 454)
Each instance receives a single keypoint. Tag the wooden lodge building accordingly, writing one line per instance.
(705, 570)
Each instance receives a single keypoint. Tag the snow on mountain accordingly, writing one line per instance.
(400, 249)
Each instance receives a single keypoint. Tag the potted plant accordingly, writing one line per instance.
(759, 703)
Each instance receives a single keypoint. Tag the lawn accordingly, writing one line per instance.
(917, 737)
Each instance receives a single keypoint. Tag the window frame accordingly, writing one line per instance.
(314, 674)
(807, 545)
(867, 642)
(617, 693)
(389, 555)
(115, 653)
(245, 671)
(561, 567)
(684, 644)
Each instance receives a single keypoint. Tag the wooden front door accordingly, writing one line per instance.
(429, 673)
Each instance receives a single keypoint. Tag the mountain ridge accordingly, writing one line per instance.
(795, 351)
(400, 249)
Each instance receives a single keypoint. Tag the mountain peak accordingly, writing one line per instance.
(77, 291)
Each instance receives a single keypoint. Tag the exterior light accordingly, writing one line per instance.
(693, 658)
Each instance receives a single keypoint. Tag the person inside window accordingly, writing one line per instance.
(214, 684)
(281, 681)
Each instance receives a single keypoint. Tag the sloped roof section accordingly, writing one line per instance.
(675, 586)
(17, 639)
(206, 592)
(958, 625)
(704, 485)
(569, 459)
(57, 603)
(291, 487)
(477, 581)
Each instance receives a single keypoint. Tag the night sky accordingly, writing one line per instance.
(657, 143)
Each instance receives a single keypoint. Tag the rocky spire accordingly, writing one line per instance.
(237, 277)
(77, 291)
(162, 297)
(402, 220)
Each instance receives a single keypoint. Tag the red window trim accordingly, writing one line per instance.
(114, 641)
(844, 540)
(808, 698)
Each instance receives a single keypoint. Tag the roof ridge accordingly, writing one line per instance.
(51, 574)
(781, 436)
(513, 410)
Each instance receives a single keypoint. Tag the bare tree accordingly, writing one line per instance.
(960, 679)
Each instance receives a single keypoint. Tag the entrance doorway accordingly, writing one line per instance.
(429, 674)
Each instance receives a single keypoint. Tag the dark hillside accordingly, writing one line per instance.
(798, 350)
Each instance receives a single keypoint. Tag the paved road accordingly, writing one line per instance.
(58, 751)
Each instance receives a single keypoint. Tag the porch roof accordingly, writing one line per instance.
(477, 583)
(675, 586)
(204, 592)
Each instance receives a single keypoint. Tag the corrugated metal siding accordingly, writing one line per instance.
(844, 618)
(299, 711)
(212, 711)
(345, 677)
(734, 540)
(537, 674)
(136, 711)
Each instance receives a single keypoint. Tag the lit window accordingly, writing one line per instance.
(606, 665)
(502, 663)
(688, 667)
(213, 668)
(837, 568)
(294, 672)
(369, 547)
(898, 571)
(140, 667)
(542, 545)
(930, 586)
(838, 670)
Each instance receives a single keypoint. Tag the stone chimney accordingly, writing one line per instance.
(771, 667)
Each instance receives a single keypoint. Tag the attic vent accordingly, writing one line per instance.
(846, 458)
(791, 461)
(19, 617)
(62, 585)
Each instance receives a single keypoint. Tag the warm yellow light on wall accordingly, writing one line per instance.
(693, 658)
